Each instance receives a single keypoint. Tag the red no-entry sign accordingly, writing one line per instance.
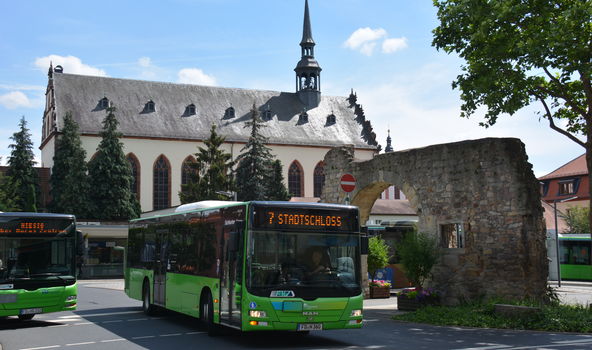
(348, 182)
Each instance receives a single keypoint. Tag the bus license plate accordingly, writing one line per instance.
(310, 327)
(31, 311)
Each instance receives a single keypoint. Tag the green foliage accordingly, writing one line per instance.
(69, 179)
(254, 163)
(23, 177)
(277, 190)
(8, 195)
(553, 317)
(212, 172)
(377, 254)
(518, 52)
(110, 176)
(576, 219)
(419, 252)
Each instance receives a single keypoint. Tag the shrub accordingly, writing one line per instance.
(419, 252)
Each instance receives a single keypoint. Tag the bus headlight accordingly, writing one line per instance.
(356, 313)
(71, 298)
(257, 314)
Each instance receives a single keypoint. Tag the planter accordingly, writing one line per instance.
(380, 292)
(407, 304)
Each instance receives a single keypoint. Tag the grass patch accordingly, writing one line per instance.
(553, 318)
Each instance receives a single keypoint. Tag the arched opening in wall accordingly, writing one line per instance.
(296, 179)
(390, 217)
(135, 167)
(161, 183)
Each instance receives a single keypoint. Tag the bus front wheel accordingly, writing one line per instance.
(147, 306)
(207, 315)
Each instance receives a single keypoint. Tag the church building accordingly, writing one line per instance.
(163, 124)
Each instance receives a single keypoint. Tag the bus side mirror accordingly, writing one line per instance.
(364, 245)
(79, 243)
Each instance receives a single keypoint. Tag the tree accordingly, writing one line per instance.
(69, 179)
(576, 219)
(110, 176)
(277, 190)
(377, 255)
(419, 252)
(522, 52)
(254, 165)
(212, 171)
(23, 177)
(8, 195)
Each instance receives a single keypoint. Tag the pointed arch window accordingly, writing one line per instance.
(150, 107)
(187, 170)
(104, 103)
(135, 166)
(295, 179)
(319, 179)
(161, 184)
(229, 113)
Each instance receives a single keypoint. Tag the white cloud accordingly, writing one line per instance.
(394, 44)
(15, 99)
(71, 64)
(23, 87)
(364, 39)
(195, 76)
(144, 62)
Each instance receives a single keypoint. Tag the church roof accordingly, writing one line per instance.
(81, 95)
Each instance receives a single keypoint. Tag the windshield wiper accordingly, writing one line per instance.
(45, 274)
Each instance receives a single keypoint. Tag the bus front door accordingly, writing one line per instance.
(230, 288)
(160, 268)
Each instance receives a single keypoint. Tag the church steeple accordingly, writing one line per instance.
(389, 147)
(308, 71)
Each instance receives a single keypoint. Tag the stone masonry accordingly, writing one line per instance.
(488, 186)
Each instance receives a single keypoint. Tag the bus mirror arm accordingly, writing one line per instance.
(364, 245)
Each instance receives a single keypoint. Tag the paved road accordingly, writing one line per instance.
(107, 319)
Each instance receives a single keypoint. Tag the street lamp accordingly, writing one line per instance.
(555, 201)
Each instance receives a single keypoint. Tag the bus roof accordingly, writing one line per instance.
(38, 215)
(208, 205)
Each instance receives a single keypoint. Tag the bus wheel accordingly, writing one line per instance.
(148, 308)
(207, 315)
(26, 317)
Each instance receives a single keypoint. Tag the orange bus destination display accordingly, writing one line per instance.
(305, 219)
(32, 228)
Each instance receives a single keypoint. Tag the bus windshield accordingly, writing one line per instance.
(305, 265)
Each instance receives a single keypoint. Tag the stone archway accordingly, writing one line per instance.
(487, 186)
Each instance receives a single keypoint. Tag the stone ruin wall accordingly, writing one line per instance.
(486, 184)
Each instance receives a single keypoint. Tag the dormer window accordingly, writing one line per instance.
(267, 114)
(150, 107)
(303, 118)
(190, 110)
(229, 113)
(104, 103)
(331, 119)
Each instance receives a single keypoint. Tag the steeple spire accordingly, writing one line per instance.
(306, 30)
(308, 71)
(389, 147)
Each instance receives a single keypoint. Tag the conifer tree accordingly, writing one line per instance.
(211, 172)
(69, 179)
(254, 165)
(8, 195)
(110, 176)
(277, 189)
(23, 177)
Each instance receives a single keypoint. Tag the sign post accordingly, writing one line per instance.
(348, 184)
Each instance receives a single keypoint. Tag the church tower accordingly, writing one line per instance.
(389, 147)
(308, 71)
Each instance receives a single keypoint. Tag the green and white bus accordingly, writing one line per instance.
(575, 256)
(37, 264)
(248, 265)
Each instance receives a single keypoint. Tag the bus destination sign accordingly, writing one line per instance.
(306, 219)
(30, 228)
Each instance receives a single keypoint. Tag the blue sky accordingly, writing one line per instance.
(381, 48)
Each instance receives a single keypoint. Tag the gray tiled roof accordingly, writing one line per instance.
(81, 95)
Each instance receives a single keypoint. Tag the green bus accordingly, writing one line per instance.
(38, 255)
(575, 256)
(248, 265)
